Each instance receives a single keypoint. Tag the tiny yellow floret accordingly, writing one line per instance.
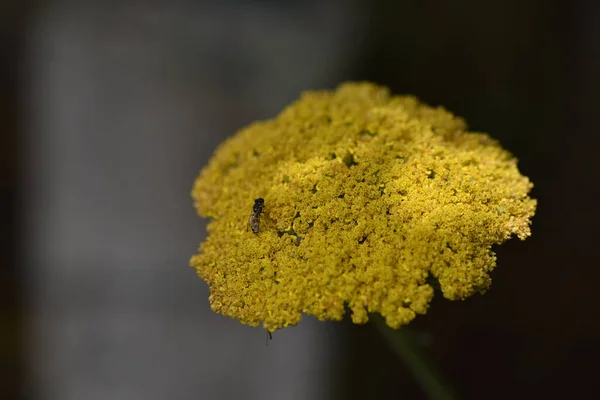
(369, 199)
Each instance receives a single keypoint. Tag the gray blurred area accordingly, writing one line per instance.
(124, 106)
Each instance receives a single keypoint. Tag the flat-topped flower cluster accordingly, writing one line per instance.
(368, 199)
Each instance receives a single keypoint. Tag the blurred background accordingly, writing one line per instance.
(109, 109)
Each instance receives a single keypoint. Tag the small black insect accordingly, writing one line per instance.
(257, 209)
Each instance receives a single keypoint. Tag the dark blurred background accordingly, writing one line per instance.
(109, 109)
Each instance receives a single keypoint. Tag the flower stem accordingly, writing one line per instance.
(403, 345)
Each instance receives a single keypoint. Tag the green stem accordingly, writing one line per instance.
(405, 348)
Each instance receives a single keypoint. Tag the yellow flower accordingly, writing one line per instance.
(368, 199)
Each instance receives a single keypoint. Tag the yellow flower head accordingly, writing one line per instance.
(367, 200)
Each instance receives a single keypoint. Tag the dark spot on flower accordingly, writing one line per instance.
(365, 132)
(349, 160)
(450, 248)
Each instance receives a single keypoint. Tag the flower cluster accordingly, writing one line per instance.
(369, 199)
